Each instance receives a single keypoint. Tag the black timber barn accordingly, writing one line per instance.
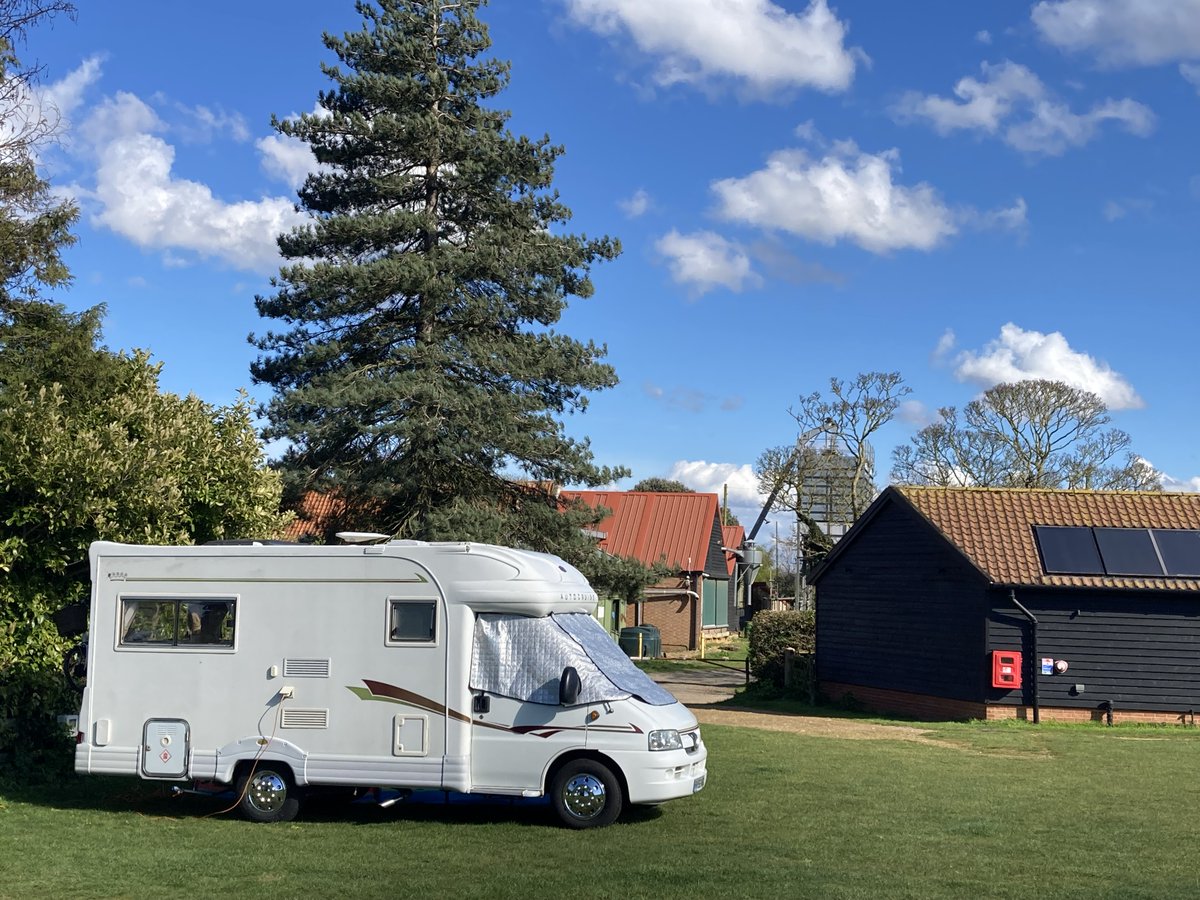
(1000, 603)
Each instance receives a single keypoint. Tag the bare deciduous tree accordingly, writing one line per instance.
(829, 482)
(1034, 433)
(852, 413)
(24, 120)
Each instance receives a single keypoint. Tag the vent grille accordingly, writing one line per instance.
(306, 668)
(305, 718)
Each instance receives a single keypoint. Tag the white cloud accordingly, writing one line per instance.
(712, 477)
(287, 158)
(1053, 128)
(136, 194)
(780, 263)
(1020, 355)
(945, 345)
(691, 399)
(1122, 32)
(118, 116)
(1191, 74)
(984, 36)
(30, 114)
(201, 124)
(1006, 218)
(808, 132)
(1171, 483)
(66, 94)
(635, 205)
(755, 42)
(705, 260)
(915, 413)
(1011, 102)
(1119, 209)
(981, 105)
(844, 195)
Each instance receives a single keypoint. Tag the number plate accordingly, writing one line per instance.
(698, 783)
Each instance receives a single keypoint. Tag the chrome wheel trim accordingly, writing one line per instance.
(267, 792)
(584, 796)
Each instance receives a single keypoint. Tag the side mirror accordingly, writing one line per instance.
(71, 620)
(569, 687)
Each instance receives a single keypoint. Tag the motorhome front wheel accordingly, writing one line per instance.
(586, 794)
(268, 795)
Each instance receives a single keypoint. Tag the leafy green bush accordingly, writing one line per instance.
(91, 449)
(772, 633)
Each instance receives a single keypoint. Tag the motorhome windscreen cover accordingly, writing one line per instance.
(523, 658)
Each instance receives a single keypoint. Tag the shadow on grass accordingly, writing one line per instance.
(758, 697)
(154, 800)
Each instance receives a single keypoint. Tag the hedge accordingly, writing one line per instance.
(770, 634)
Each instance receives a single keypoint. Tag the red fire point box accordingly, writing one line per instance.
(1006, 669)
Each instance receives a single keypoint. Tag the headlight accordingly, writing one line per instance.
(667, 739)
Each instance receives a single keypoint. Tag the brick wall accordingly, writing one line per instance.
(1065, 714)
(933, 709)
(677, 619)
(920, 706)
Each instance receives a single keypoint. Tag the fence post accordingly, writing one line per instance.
(789, 665)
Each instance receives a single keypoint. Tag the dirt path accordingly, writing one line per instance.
(700, 688)
(814, 726)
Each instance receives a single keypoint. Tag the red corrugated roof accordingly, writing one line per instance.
(650, 526)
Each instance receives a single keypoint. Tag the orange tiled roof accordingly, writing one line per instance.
(993, 527)
(651, 525)
(313, 514)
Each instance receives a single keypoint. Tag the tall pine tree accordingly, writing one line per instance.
(420, 377)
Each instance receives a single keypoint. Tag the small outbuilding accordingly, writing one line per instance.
(1000, 603)
(682, 531)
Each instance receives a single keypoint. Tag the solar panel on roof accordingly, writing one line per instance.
(1180, 551)
(1128, 551)
(1068, 550)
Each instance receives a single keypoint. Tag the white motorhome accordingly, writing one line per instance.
(282, 669)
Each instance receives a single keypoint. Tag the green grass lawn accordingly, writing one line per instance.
(990, 811)
(729, 651)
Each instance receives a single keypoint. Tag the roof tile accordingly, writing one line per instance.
(994, 527)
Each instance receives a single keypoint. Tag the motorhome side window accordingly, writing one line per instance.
(170, 622)
(412, 621)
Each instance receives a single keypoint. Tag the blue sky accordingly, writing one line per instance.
(965, 193)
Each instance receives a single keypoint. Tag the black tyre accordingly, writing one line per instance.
(268, 794)
(75, 667)
(586, 794)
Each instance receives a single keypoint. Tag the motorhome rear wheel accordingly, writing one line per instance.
(268, 794)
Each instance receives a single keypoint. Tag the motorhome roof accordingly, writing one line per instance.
(485, 577)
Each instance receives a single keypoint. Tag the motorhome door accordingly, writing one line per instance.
(513, 741)
(519, 722)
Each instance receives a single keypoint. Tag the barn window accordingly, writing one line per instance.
(1068, 551)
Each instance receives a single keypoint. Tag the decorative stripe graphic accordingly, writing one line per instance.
(390, 693)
